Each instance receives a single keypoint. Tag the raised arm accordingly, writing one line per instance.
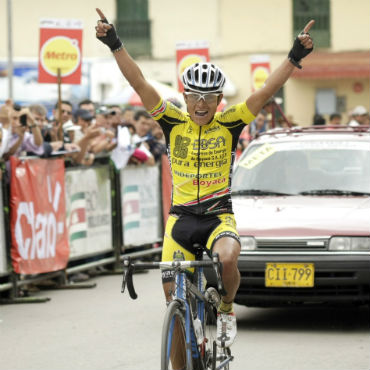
(302, 46)
(106, 33)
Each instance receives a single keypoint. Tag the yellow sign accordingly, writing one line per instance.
(257, 156)
(259, 77)
(60, 52)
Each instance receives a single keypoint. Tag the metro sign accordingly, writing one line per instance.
(60, 49)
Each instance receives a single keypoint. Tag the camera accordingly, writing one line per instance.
(23, 119)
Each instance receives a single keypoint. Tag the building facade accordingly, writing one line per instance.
(335, 77)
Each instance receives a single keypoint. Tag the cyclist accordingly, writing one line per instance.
(201, 147)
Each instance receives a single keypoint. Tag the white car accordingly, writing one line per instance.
(301, 199)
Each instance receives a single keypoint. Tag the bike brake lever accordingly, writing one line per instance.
(127, 278)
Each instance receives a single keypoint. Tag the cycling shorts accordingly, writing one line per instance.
(185, 230)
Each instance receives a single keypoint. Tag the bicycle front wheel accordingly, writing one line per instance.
(173, 352)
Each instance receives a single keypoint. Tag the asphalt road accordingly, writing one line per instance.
(100, 328)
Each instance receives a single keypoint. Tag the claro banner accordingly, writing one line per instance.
(38, 216)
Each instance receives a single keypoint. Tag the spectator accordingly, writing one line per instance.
(243, 141)
(335, 119)
(129, 148)
(259, 124)
(359, 116)
(114, 116)
(88, 105)
(366, 120)
(101, 116)
(92, 138)
(69, 131)
(156, 142)
(318, 120)
(175, 102)
(39, 112)
(83, 119)
(66, 111)
(26, 138)
(143, 123)
(66, 115)
(81, 134)
(5, 129)
(106, 140)
(127, 115)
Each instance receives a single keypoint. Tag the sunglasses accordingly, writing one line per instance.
(195, 97)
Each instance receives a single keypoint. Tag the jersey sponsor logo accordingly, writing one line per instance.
(228, 112)
(227, 233)
(230, 221)
(213, 143)
(201, 175)
(208, 183)
(212, 129)
(209, 164)
(168, 275)
(181, 146)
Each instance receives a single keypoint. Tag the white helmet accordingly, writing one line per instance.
(203, 77)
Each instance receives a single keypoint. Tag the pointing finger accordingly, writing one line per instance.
(101, 14)
(308, 26)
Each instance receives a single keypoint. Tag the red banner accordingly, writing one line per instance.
(60, 48)
(38, 216)
(188, 53)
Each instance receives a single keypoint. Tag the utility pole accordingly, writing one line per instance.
(10, 52)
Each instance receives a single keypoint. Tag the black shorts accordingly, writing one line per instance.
(183, 231)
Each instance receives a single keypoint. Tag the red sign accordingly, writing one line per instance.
(188, 53)
(38, 216)
(60, 48)
(260, 70)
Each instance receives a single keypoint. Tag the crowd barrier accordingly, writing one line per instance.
(59, 219)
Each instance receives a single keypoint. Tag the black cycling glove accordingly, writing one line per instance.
(112, 40)
(298, 52)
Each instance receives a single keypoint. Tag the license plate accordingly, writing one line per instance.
(289, 275)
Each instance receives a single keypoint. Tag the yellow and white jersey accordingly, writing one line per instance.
(201, 157)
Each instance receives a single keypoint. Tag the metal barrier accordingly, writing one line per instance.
(108, 214)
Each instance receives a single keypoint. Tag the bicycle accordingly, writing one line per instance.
(189, 326)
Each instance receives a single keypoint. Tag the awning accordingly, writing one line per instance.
(320, 65)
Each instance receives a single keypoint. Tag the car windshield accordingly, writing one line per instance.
(305, 167)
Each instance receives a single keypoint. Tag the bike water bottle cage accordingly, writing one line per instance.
(203, 77)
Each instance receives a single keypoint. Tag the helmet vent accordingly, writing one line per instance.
(204, 77)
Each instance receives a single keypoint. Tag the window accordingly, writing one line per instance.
(326, 101)
(133, 26)
(319, 10)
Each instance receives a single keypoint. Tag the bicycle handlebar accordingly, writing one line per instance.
(172, 265)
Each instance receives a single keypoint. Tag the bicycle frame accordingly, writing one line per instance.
(183, 288)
